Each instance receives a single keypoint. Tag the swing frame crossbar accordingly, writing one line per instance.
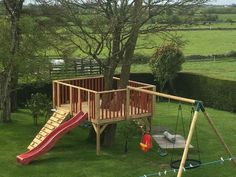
(198, 107)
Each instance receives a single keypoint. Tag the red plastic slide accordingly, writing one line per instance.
(51, 139)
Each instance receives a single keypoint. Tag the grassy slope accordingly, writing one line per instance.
(198, 42)
(224, 69)
(73, 156)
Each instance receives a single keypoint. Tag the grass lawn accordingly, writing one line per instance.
(73, 156)
(223, 69)
(206, 42)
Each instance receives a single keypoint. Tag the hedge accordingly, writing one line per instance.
(215, 93)
(24, 91)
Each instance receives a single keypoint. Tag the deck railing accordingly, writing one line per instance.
(87, 95)
(74, 98)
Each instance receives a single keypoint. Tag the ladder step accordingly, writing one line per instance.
(42, 133)
(37, 141)
(46, 130)
(49, 126)
(55, 124)
(55, 120)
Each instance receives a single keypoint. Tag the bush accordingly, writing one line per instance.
(165, 63)
(140, 58)
(39, 105)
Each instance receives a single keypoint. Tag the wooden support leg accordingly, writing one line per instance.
(98, 129)
(188, 141)
(98, 140)
(210, 121)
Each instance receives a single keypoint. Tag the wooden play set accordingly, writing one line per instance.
(85, 98)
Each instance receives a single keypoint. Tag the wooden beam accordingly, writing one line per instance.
(98, 149)
(210, 121)
(58, 95)
(187, 100)
(188, 141)
(54, 94)
(97, 107)
(71, 101)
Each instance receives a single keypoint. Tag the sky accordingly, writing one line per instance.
(223, 2)
(215, 2)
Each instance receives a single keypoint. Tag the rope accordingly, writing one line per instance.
(160, 173)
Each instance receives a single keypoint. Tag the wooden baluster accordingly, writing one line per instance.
(71, 101)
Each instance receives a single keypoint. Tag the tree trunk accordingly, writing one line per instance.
(14, 85)
(14, 9)
(5, 97)
(130, 45)
(108, 135)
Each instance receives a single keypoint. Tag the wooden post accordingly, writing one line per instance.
(71, 101)
(58, 95)
(54, 94)
(153, 100)
(97, 107)
(127, 103)
(188, 141)
(98, 140)
(89, 110)
(210, 121)
(79, 100)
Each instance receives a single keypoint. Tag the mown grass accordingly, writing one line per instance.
(73, 156)
(223, 69)
(205, 42)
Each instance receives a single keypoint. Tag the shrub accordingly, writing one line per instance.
(39, 105)
(165, 63)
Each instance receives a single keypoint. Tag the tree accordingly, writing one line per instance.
(108, 30)
(9, 73)
(21, 40)
(165, 63)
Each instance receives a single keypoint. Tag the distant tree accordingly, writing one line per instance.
(229, 20)
(165, 63)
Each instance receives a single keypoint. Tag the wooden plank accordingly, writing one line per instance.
(49, 127)
(43, 133)
(46, 130)
(37, 141)
(55, 119)
(55, 124)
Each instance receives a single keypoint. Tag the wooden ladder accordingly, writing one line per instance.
(55, 120)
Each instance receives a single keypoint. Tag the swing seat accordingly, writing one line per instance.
(146, 143)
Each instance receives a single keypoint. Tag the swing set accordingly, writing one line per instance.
(184, 163)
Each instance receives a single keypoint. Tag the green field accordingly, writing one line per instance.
(206, 42)
(73, 156)
(223, 69)
(224, 17)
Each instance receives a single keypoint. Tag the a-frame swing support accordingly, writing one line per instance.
(198, 107)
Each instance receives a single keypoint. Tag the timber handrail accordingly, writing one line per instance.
(110, 91)
(187, 100)
(80, 78)
(77, 87)
(135, 82)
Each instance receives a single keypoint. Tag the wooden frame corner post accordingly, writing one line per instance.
(189, 138)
